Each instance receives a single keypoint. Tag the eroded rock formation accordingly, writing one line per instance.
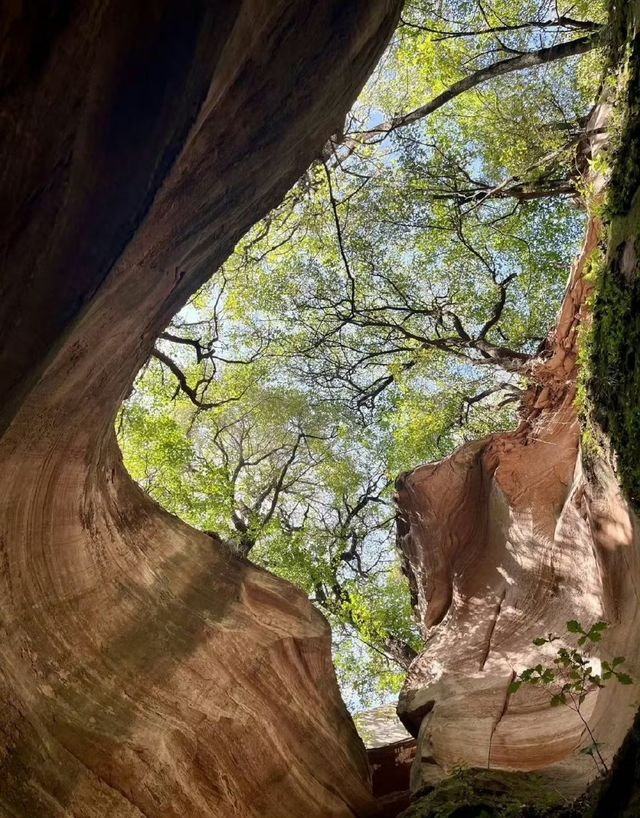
(390, 773)
(143, 671)
(505, 541)
(390, 752)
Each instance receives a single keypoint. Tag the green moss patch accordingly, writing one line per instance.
(491, 794)
(613, 368)
(625, 177)
(610, 389)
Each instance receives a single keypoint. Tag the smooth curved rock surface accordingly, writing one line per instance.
(143, 671)
(505, 541)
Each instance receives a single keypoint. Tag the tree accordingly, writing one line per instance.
(434, 236)
(399, 296)
(288, 485)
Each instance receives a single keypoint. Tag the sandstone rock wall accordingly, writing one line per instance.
(505, 541)
(144, 672)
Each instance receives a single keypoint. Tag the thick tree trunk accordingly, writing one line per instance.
(143, 671)
(400, 651)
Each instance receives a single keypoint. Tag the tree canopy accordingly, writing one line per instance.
(390, 308)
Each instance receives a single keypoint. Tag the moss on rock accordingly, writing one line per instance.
(613, 383)
(625, 48)
(491, 794)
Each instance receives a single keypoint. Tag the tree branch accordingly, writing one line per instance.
(183, 384)
(530, 59)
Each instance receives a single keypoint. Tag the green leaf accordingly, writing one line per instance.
(283, 285)
(514, 687)
(624, 679)
(573, 626)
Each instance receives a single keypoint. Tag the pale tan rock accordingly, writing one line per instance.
(505, 541)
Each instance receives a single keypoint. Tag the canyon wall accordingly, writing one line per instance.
(144, 672)
(504, 542)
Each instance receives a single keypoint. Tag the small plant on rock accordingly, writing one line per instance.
(573, 677)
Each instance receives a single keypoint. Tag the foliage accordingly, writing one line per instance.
(472, 793)
(388, 310)
(290, 484)
(574, 676)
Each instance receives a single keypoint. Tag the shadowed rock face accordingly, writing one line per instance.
(144, 671)
(505, 541)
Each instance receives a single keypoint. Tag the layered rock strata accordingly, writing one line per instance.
(504, 542)
(144, 673)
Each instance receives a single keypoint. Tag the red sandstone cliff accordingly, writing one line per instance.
(144, 672)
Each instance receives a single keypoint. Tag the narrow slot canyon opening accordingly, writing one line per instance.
(407, 298)
(390, 309)
(358, 540)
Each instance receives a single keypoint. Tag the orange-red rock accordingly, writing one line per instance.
(143, 671)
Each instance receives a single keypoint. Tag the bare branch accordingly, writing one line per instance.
(336, 219)
(531, 59)
(568, 23)
(183, 384)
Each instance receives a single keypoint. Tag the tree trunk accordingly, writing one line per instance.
(400, 651)
(144, 671)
